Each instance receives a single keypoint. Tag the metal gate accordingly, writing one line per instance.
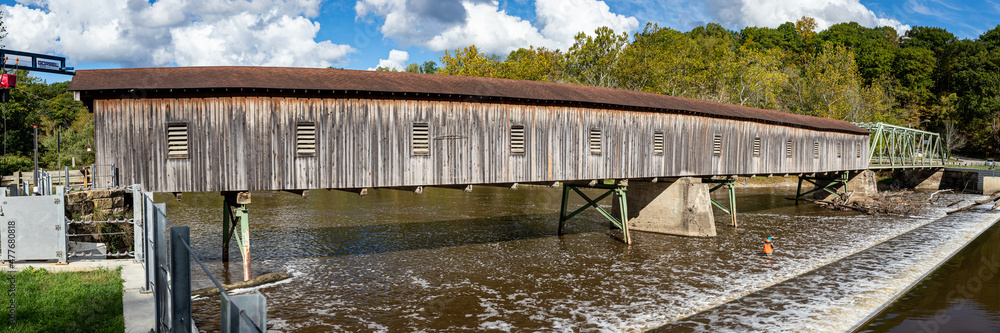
(37, 225)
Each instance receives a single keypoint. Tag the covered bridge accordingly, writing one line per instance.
(186, 129)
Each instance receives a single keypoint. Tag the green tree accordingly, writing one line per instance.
(874, 48)
(785, 38)
(596, 60)
(913, 68)
(428, 67)
(71, 142)
(755, 77)
(533, 64)
(470, 62)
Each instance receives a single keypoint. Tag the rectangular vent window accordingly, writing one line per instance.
(788, 149)
(177, 140)
(717, 145)
(517, 140)
(756, 147)
(840, 146)
(858, 149)
(305, 139)
(816, 149)
(421, 139)
(595, 141)
(657, 143)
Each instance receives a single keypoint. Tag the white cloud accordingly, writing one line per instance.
(561, 20)
(397, 60)
(772, 13)
(485, 24)
(166, 32)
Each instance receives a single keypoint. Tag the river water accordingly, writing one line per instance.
(490, 260)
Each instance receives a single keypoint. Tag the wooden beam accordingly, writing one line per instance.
(414, 189)
(512, 186)
(359, 191)
(466, 188)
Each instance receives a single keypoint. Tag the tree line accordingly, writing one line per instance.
(65, 127)
(926, 78)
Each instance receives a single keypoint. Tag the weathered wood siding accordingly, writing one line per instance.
(248, 143)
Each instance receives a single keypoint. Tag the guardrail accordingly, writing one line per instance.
(166, 256)
(977, 166)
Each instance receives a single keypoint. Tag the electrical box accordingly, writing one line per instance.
(8, 81)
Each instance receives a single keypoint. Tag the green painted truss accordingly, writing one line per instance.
(895, 147)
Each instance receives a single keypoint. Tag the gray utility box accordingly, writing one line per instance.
(35, 225)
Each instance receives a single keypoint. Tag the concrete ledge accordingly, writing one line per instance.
(991, 185)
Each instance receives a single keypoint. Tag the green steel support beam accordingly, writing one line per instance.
(843, 178)
(236, 216)
(617, 190)
(730, 185)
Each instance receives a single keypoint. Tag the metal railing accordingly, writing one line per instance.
(166, 256)
(103, 176)
(892, 147)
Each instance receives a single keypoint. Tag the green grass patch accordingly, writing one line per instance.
(63, 302)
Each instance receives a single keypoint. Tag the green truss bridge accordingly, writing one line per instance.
(897, 147)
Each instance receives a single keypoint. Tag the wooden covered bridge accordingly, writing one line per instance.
(240, 129)
(256, 128)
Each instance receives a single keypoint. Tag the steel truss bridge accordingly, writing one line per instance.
(897, 147)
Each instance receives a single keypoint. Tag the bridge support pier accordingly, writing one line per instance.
(928, 179)
(619, 206)
(235, 215)
(680, 207)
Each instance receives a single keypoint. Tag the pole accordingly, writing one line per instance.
(58, 150)
(35, 173)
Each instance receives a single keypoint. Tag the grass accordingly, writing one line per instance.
(64, 302)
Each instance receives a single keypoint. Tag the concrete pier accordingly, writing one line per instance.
(676, 207)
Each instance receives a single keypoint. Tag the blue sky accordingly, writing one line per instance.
(362, 34)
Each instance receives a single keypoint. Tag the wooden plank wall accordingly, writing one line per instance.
(248, 143)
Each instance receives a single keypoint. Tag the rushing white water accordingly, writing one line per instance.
(449, 268)
(839, 296)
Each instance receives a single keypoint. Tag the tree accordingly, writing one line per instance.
(470, 62)
(913, 68)
(428, 67)
(874, 48)
(595, 60)
(755, 77)
(785, 38)
(533, 64)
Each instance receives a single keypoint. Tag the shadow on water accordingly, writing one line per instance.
(394, 237)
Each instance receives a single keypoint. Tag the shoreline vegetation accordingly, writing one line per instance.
(89, 301)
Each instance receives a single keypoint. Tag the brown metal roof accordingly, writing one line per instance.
(201, 78)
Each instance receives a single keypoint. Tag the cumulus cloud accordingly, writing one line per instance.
(397, 60)
(485, 24)
(772, 13)
(166, 32)
(561, 20)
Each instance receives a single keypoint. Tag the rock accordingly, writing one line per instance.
(103, 204)
(75, 198)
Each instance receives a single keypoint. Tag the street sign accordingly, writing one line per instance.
(34, 62)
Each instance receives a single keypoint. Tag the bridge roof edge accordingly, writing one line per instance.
(91, 82)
